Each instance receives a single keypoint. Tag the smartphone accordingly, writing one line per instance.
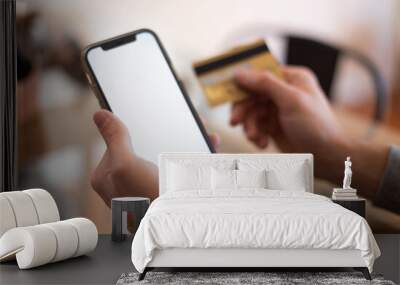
(133, 77)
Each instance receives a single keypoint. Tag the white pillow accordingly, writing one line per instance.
(291, 179)
(282, 174)
(188, 177)
(251, 178)
(223, 179)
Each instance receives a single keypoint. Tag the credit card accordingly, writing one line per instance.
(216, 74)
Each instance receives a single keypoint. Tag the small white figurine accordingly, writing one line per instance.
(347, 174)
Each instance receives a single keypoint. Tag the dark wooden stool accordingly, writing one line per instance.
(135, 205)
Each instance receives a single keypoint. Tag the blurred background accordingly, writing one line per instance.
(58, 144)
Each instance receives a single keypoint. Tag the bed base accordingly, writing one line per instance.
(363, 270)
(250, 259)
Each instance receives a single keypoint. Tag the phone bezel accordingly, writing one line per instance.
(123, 39)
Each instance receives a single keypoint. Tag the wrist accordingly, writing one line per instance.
(369, 162)
(329, 163)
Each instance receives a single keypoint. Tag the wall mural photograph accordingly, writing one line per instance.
(262, 137)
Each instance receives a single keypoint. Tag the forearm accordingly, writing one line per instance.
(369, 162)
(388, 195)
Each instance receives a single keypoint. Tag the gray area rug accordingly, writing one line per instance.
(226, 278)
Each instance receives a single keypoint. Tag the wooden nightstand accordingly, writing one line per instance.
(356, 205)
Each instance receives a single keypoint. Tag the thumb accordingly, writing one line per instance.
(266, 85)
(113, 131)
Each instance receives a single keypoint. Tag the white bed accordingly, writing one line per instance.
(200, 223)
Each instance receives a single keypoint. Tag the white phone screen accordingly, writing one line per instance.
(141, 90)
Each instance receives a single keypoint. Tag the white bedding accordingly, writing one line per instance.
(250, 219)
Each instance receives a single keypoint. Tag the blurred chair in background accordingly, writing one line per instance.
(325, 60)
(322, 58)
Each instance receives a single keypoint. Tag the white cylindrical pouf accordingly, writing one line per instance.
(67, 239)
(23, 208)
(87, 235)
(45, 205)
(40, 244)
(7, 218)
(34, 246)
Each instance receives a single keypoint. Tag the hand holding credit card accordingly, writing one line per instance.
(216, 74)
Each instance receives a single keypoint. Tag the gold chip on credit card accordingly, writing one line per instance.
(216, 74)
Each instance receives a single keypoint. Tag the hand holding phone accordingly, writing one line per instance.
(132, 76)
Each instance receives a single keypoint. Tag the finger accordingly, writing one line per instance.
(297, 72)
(106, 197)
(266, 85)
(251, 125)
(301, 77)
(264, 119)
(113, 131)
(263, 141)
(103, 191)
(270, 121)
(240, 110)
(215, 140)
